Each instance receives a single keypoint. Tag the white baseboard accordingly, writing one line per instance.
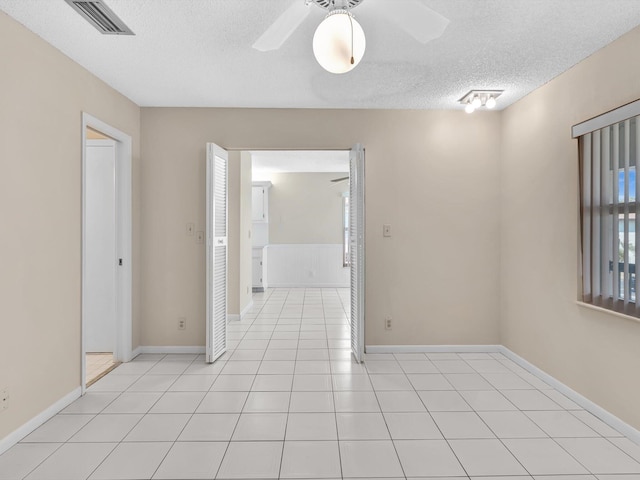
(234, 317)
(246, 310)
(308, 285)
(433, 348)
(24, 430)
(169, 349)
(604, 415)
(610, 419)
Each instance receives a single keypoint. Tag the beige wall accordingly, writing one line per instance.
(437, 276)
(43, 91)
(595, 353)
(305, 208)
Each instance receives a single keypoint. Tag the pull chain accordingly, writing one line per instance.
(351, 22)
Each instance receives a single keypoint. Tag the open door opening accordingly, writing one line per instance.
(100, 254)
(106, 249)
(290, 293)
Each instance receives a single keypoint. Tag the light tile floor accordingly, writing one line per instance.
(287, 401)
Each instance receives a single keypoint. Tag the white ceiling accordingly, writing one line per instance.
(198, 52)
(297, 161)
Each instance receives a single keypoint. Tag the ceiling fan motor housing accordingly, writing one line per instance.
(331, 4)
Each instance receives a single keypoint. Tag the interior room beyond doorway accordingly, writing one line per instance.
(299, 215)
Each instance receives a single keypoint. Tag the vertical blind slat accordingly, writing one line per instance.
(635, 210)
(586, 216)
(605, 276)
(615, 222)
(627, 136)
(595, 218)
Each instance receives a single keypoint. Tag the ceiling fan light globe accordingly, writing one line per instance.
(332, 43)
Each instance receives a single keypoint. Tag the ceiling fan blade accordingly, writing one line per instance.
(421, 22)
(283, 27)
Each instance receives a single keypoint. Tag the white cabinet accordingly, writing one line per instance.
(260, 237)
(259, 268)
(260, 202)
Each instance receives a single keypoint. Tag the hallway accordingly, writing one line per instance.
(287, 401)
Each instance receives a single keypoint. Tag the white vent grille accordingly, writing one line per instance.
(100, 16)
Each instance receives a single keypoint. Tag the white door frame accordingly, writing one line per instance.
(122, 350)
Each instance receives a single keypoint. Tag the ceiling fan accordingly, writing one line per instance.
(339, 41)
(338, 180)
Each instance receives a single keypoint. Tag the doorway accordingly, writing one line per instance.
(310, 247)
(106, 249)
(217, 320)
(297, 219)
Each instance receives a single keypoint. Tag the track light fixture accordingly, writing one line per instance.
(480, 98)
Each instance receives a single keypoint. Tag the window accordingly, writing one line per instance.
(609, 214)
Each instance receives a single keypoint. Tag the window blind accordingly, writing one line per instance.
(609, 215)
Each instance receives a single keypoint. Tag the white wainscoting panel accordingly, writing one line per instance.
(306, 265)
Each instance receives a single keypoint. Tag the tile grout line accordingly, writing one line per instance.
(489, 427)
(333, 397)
(245, 400)
(375, 393)
(117, 444)
(185, 424)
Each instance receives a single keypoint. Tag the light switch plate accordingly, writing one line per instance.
(386, 230)
(200, 237)
(191, 227)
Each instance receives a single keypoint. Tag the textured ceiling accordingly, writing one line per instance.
(296, 161)
(198, 52)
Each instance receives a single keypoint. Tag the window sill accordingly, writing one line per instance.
(607, 311)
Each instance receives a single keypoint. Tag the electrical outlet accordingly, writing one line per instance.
(386, 230)
(388, 322)
(4, 399)
(191, 227)
(182, 323)
(200, 237)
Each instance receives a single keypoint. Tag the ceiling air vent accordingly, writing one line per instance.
(100, 16)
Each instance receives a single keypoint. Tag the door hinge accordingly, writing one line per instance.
(120, 262)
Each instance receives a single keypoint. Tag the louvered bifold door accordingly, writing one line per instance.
(356, 249)
(217, 159)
